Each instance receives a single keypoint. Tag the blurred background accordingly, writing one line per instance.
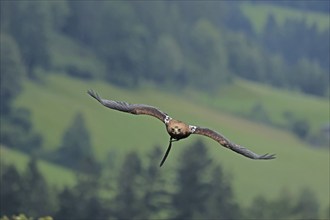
(256, 71)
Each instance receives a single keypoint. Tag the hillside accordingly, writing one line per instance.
(54, 102)
(242, 96)
(54, 174)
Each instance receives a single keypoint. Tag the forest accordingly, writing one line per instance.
(171, 46)
(199, 190)
(133, 40)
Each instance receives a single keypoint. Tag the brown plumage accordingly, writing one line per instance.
(177, 129)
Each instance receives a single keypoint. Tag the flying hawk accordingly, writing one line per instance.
(177, 129)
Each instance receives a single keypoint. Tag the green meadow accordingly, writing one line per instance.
(54, 174)
(54, 102)
(242, 96)
(258, 14)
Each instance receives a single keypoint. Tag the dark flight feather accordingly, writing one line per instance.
(137, 109)
(228, 144)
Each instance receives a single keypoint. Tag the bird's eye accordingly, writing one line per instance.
(172, 129)
(179, 130)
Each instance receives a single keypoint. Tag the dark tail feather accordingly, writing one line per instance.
(166, 154)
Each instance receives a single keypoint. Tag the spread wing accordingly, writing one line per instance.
(137, 109)
(228, 144)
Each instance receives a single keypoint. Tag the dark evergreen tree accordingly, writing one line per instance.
(207, 53)
(11, 190)
(167, 60)
(16, 131)
(83, 201)
(260, 208)
(222, 204)
(76, 150)
(234, 19)
(128, 200)
(11, 74)
(156, 195)
(285, 206)
(82, 21)
(245, 57)
(36, 197)
(68, 207)
(300, 127)
(307, 206)
(271, 34)
(193, 189)
(277, 71)
(309, 77)
(282, 206)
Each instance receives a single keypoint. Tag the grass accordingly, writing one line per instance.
(54, 103)
(242, 96)
(54, 174)
(258, 14)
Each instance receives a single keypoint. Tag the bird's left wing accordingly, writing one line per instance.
(137, 109)
(228, 144)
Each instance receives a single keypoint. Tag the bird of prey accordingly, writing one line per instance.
(177, 129)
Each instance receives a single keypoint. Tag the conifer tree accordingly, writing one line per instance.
(222, 204)
(76, 150)
(11, 190)
(193, 189)
(128, 200)
(156, 193)
(36, 197)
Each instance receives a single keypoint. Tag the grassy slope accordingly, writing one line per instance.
(54, 103)
(258, 14)
(54, 174)
(241, 96)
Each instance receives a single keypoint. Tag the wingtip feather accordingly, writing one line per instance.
(94, 95)
(267, 156)
(91, 92)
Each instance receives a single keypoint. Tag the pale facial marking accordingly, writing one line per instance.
(176, 130)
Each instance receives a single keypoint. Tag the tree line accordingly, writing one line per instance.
(16, 128)
(173, 43)
(137, 189)
(320, 6)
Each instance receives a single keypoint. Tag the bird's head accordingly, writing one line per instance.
(176, 130)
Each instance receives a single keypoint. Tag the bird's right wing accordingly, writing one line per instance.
(228, 144)
(137, 109)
